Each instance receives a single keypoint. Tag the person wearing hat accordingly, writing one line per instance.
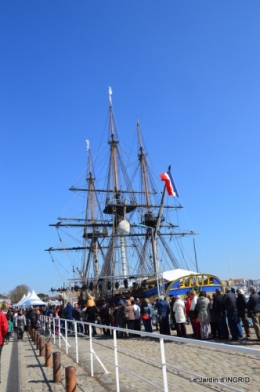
(253, 305)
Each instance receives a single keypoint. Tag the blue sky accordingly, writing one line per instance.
(188, 69)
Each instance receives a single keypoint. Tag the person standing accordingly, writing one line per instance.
(3, 331)
(193, 315)
(68, 310)
(129, 316)
(91, 313)
(229, 302)
(146, 315)
(120, 318)
(242, 311)
(33, 317)
(163, 309)
(77, 317)
(203, 315)
(137, 322)
(219, 310)
(179, 314)
(105, 317)
(20, 321)
(253, 305)
(9, 331)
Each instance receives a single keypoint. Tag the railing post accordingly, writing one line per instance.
(91, 351)
(116, 361)
(66, 335)
(164, 369)
(76, 340)
(59, 332)
(53, 327)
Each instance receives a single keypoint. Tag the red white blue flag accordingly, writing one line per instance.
(169, 183)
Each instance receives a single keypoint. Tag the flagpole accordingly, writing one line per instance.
(160, 288)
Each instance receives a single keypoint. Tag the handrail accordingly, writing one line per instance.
(163, 364)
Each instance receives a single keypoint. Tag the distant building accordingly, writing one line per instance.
(3, 298)
(237, 283)
(255, 282)
(242, 283)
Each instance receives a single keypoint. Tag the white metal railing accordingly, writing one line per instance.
(64, 324)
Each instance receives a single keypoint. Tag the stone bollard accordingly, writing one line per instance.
(33, 335)
(70, 376)
(56, 367)
(41, 346)
(47, 354)
(29, 330)
(37, 340)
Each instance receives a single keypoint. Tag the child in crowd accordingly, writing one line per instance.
(10, 328)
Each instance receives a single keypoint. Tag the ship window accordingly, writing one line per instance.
(205, 280)
(193, 281)
(211, 281)
(199, 280)
(187, 282)
(181, 283)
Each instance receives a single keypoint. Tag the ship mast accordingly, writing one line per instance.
(90, 212)
(116, 205)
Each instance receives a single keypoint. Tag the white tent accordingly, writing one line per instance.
(33, 300)
(21, 300)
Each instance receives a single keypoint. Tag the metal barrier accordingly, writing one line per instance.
(70, 329)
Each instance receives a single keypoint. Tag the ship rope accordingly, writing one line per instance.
(67, 253)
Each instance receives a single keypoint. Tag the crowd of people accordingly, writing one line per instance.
(219, 316)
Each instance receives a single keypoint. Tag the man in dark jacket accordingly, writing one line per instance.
(77, 317)
(33, 317)
(68, 316)
(229, 302)
(163, 309)
(242, 311)
(220, 314)
(253, 305)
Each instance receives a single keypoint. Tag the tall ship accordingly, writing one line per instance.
(126, 234)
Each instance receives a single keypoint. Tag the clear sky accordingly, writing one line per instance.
(188, 69)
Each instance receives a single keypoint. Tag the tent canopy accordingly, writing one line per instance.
(30, 299)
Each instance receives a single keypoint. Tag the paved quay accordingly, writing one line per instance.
(137, 355)
(35, 376)
(5, 366)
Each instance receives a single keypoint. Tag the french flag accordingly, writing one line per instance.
(169, 183)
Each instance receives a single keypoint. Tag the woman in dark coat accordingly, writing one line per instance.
(105, 317)
(120, 318)
(91, 313)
